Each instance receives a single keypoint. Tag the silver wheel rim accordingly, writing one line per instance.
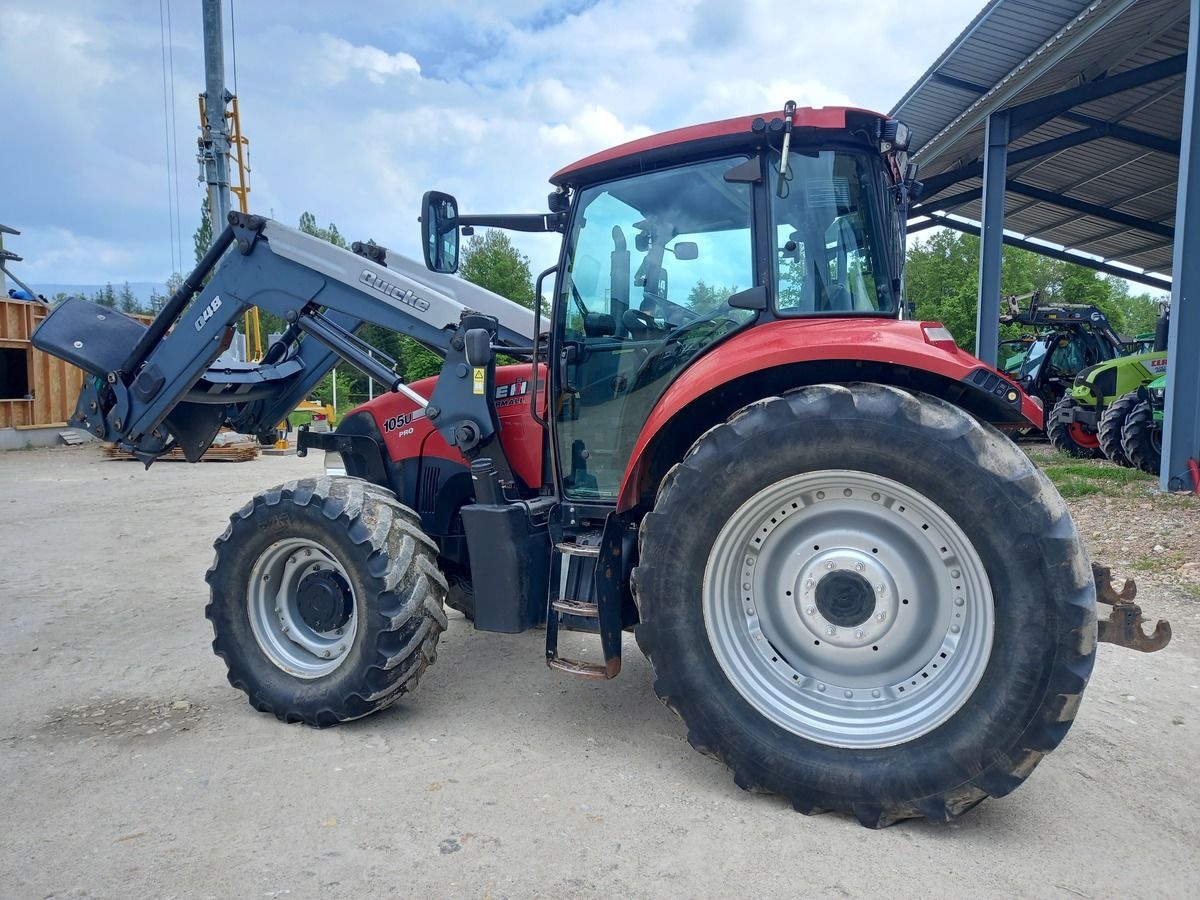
(805, 661)
(286, 639)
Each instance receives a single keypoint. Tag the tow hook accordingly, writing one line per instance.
(1123, 626)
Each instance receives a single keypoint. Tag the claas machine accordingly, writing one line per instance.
(721, 435)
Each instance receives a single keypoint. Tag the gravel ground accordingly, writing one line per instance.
(129, 767)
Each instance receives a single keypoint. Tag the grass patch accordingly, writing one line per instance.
(1169, 561)
(1080, 469)
(1071, 488)
(1192, 590)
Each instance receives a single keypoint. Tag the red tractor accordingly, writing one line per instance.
(854, 589)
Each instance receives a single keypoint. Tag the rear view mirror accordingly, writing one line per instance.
(686, 250)
(439, 231)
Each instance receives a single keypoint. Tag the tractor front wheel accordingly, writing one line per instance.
(1072, 438)
(326, 600)
(866, 601)
(1141, 438)
(1112, 422)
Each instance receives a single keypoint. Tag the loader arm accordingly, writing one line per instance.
(161, 385)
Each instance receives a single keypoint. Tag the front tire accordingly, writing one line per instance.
(326, 600)
(1072, 438)
(820, 511)
(1112, 422)
(1141, 438)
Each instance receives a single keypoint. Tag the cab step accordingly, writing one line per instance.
(577, 598)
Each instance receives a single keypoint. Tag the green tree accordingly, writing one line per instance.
(127, 300)
(106, 296)
(704, 298)
(203, 237)
(491, 261)
(308, 224)
(942, 283)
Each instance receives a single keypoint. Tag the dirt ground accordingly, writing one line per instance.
(130, 768)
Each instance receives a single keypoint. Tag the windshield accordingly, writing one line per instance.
(830, 249)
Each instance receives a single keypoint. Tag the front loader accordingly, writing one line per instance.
(853, 588)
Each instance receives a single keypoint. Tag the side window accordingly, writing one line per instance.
(828, 252)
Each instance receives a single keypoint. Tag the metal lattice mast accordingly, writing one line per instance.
(214, 139)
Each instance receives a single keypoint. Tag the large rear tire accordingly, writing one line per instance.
(1141, 438)
(1072, 438)
(1112, 421)
(866, 601)
(326, 600)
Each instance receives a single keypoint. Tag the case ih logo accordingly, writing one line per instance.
(405, 296)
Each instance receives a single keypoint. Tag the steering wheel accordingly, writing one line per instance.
(636, 320)
(673, 345)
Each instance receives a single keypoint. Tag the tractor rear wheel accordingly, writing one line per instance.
(866, 601)
(1141, 438)
(1072, 438)
(326, 600)
(1112, 421)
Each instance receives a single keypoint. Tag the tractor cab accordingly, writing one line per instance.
(678, 243)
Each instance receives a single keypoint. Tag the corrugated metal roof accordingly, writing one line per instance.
(1020, 50)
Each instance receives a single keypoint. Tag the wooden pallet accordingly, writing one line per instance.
(243, 451)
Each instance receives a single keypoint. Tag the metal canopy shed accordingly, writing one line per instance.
(1066, 127)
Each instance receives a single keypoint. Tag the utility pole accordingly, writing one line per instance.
(214, 141)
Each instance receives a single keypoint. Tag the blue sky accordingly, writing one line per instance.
(354, 110)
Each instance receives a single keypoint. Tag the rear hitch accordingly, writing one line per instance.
(1123, 626)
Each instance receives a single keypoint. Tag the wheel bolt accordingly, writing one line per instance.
(808, 585)
(954, 573)
(879, 588)
(858, 632)
(811, 610)
(881, 615)
(285, 629)
(266, 578)
(875, 693)
(831, 631)
(954, 629)
(821, 688)
(308, 553)
(958, 601)
(830, 564)
(858, 567)
(327, 654)
(849, 695)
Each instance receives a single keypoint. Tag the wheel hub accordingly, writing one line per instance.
(301, 607)
(845, 598)
(324, 600)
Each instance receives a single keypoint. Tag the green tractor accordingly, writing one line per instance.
(1087, 422)
(1141, 435)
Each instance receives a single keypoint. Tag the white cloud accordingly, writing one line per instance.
(353, 110)
(340, 58)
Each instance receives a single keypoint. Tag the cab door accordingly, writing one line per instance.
(650, 264)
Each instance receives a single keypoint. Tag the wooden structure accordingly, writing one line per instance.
(36, 390)
(239, 451)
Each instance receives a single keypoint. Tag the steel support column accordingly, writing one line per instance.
(991, 246)
(1181, 435)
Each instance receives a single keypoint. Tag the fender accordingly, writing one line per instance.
(912, 354)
